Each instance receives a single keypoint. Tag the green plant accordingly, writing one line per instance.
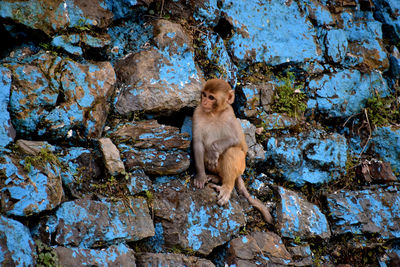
(46, 256)
(44, 159)
(288, 97)
(383, 110)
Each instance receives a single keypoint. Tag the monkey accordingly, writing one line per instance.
(220, 146)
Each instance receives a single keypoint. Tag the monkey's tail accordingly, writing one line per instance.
(255, 202)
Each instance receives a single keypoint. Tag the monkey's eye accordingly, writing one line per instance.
(211, 97)
(203, 94)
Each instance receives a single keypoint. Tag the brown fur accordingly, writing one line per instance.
(220, 145)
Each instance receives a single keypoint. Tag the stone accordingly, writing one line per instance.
(7, 131)
(157, 149)
(375, 171)
(159, 79)
(191, 219)
(299, 218)
(64, 96)
(260, 37)
(386, 144)
(312, 157)
(344, 93)
(256, 152)
(111, 157)
(52, 16)
(89, 223)
(259, 248)
(176, 260)
(28, 189)
(115, 255)
(16, 244)
(373, 210)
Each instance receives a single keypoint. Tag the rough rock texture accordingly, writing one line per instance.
(256, 151)
(313, 157)
(163, 78)
(111, 157)
(191, 219)
(89, 223)
(116, 255)
(374, 210)
(386, 142)
(157, 149)
(299, 218)
(176, 260)
(16, 244)
(7, 131)
(259, 248)
(26, 190)
(75, 97)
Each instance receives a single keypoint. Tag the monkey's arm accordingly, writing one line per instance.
(201, 177)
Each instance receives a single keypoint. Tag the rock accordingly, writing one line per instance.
(72, 43)
(259, 248)
(386, 143)
(84, 168)
(16, 244)
(160, 79)
(343, 94)
(131, 36)
(216, 62)
(191, 218)
(278, 121)
(187, 126)
(63, 96)
(89, 223)
(116, 255)
(176, 260)
(111, 157)
(29, 188)
(336, 45)
(259, 37)
(299, 218)
(375, 171)
(317, 12)
(256, 151)
(157, 149)
(208, 12)
(387, 12)
(139, 182)
(52, 16)
(369, 211)
(7, 131)
(31, 148)
(365, 44)
(314, 157)
(302, 254)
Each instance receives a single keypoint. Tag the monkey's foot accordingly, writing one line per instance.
(213, 178)
(224, 194)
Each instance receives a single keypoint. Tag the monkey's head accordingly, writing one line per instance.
(216, 96)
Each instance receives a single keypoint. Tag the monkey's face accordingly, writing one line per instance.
(208, 101)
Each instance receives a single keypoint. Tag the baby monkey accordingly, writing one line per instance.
(220, 145)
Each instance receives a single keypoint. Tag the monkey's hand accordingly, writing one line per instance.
(200, 180)
(212, 156)
(224, 194)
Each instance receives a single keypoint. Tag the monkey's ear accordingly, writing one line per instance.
(231, 97)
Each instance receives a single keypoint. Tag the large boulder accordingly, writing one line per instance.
(164, 78)
(157, 149)
(261, 36)
(31, 184)
(53, 16)
(16, 244)
(115, 255)
(89, 223)
(60, 98)
(7, 131)
(299, 218)
(191, 218)
(344, 93)
(314, 157)
(369, 211)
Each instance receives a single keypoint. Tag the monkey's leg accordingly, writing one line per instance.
(255, 202)
(231, 165)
